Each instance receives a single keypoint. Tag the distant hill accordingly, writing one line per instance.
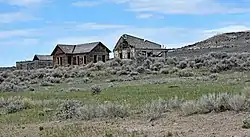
(231, 39)
(233, 42)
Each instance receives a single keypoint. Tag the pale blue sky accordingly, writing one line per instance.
(29, 27)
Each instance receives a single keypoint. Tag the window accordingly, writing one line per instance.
(129, 55)
(69, 60)
(74, 60)
(103, 58)
(78, 60)
(120, 55)
(58, 61)
(95, 58)
(61, 61)
(85, 60)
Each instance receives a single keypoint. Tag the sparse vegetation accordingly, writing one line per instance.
(74, 110)
(127, 89)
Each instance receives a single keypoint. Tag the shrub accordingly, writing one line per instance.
(95, 90)
(175, 103)
(123, 72)
(126, 62)
(214, 102)
(246, 92)
(1, 79)
(159, 107)
(53, 80)
(74, 110)
(133, 73)
(15, 104)
(85, 80)
(9, 87)
(213, 76)
(99, 65)
(146, 64)
(157, 66)
(198, 65)
(73, 89)
(186, 73)
(191, 64)
(68, 110)
(246, 124)
(189, 108)
(69, 80)
(34, 81)
(46, 84)
(111, 70)
(14, 107)
(114, 62)
(164, 71)
(110, 110)
(140, 69)
(182, 64)
(156, 108)
(83, 73)
(238, 103)
(173, 70)
(171, 61)
(57, 73)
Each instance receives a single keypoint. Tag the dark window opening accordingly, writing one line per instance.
(78, 60)
(58, 61)
(95, 58)
(74, 60)
(61, 61)
(85, 59)
(69, 60)
(129, 55)
(103, 58)
(120, 55)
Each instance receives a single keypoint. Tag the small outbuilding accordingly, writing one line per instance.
(39, 61)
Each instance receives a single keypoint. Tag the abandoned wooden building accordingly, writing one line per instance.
(131, 47)
(39, 61)
(81, 54)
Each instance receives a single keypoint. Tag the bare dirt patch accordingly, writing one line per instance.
(227, 124)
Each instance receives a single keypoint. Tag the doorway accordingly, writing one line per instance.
(129, 55)
(85, 60)
(103, 58)
(120, 55)
(69, 60)
(74, 60)
(95, 58)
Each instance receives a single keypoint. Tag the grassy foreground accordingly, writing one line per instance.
(134, 94)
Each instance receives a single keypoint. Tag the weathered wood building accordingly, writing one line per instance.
(39, 61)
(130, 47)
(81, 54)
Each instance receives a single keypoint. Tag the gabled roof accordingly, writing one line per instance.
(138, 42)
(79, 48)
(66, 48)
(43, 57)
(84, 48)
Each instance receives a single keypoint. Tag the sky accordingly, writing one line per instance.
(29, 27)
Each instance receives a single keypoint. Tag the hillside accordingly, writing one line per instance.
(231, 39)
(233, 42)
